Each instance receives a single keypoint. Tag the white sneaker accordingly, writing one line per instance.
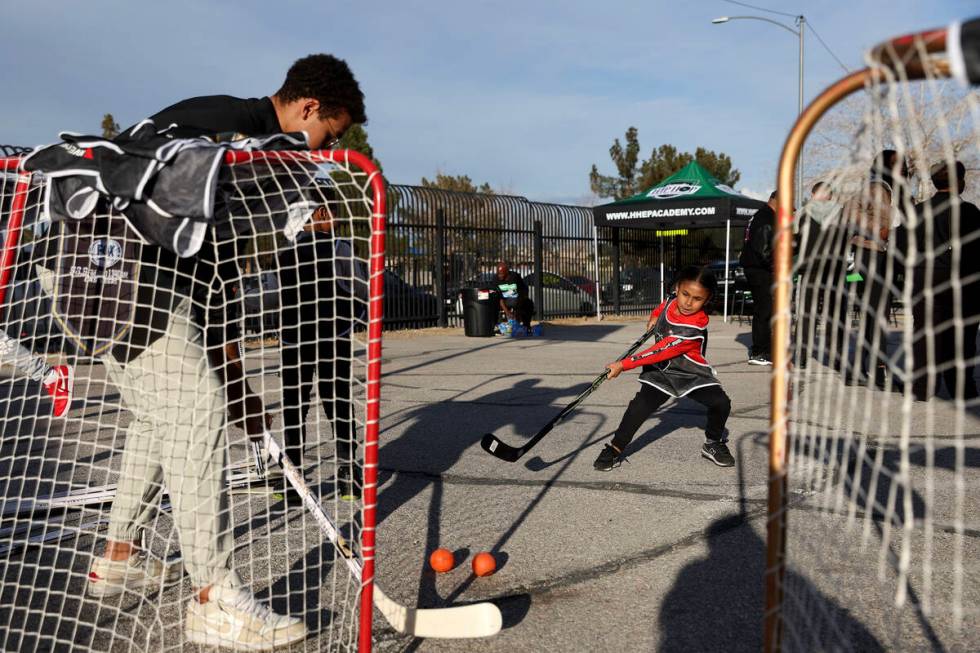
(139, 571)
(233, 618)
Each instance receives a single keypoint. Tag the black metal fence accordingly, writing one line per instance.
(441, 241)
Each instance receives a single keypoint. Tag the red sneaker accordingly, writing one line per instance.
(60, 383)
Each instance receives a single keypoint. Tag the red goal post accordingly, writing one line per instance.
(369, 184)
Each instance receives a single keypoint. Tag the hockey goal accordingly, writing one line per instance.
(291, 289)
(873, 528)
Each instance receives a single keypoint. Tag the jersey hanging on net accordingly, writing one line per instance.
(166, 188)
(131, 245)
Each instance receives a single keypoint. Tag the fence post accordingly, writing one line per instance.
(441, 265)
(595, 251)
(615, 275)
(538, 271)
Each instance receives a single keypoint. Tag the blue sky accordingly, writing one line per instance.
(524, 95)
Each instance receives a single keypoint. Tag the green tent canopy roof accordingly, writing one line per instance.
(692, 181)
(689, 197)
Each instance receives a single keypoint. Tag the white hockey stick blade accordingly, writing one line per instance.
(461, 622)
(98, 495)
(70, 499)
(57, 533)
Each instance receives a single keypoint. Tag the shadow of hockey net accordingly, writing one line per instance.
(873, 527)
(151, 376)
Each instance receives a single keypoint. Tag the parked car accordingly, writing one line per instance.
(404, 304)
(261, 292)
(408, 306)
(561, 296)
(735, 274)
(636, 286)
(260, 297)
(585, 284)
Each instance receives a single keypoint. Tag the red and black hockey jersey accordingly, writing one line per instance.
(675, 364)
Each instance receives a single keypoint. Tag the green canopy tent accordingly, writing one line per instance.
(691, 197)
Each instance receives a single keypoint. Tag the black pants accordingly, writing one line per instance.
(822, 303)
(970, 354)
(877, 284)
(760, 285)
(812, 309)
(523, 309)
(649, 399)
(926, 370)
(330, 361)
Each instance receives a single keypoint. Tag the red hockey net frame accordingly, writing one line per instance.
(376, 266)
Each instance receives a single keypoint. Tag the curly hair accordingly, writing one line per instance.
(327, 79)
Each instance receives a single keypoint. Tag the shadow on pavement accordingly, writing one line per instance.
(716, 603)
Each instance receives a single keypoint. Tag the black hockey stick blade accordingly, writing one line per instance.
(497, 447)
(494, 445)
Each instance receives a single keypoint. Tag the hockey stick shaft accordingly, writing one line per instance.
(493, 445)
(477, 620)
(257, 456)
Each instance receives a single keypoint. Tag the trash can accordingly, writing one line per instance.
(480, 307)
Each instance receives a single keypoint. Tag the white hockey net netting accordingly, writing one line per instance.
(883, 518)
(154, 444)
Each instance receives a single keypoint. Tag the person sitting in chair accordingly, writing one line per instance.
(514, 299)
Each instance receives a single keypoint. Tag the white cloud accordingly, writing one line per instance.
(522, 95)
(762, 195)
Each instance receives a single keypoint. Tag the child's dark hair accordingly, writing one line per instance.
(703, 276)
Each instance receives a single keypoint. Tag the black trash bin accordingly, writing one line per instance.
(480, 307)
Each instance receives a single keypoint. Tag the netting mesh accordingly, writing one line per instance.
(882, 516)
(134, 390)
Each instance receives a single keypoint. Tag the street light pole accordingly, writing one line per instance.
(800, 23)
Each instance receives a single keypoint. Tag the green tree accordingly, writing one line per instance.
(356, 138)
(110, 128)
(633, 175)
(625, 160)
(457, 183)
(466, 205)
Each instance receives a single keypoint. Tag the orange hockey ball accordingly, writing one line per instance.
(441, 560)
(484, 564)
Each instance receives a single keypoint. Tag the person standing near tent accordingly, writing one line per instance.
(756, 260)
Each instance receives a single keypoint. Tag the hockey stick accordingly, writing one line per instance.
(494, 445)
(477, 620)
(98, 495)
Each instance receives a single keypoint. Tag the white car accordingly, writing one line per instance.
(561, 296)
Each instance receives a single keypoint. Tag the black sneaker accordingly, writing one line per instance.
(609, 458)
(759, 360)
(349, 482)
(718, 453)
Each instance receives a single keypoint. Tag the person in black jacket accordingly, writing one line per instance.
(320, 301)
(934, 238)
(178, 373)
(868, 219)
(819, 266)
(756, 260)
